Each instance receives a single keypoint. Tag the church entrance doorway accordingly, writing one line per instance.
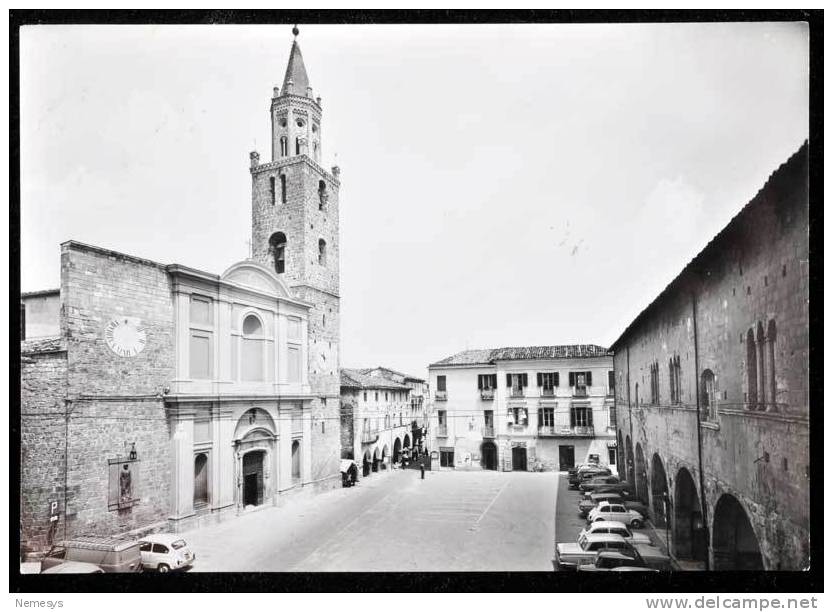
(253, 478)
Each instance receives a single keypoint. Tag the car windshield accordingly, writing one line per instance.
(179, 544)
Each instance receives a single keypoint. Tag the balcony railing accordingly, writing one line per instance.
(487, 394)
(577, 431)
(518, 427)
(488, 431)
(516, 392)
(442, 431)
(441, 396)
(580, 391)
(368, 437)
(547, 392)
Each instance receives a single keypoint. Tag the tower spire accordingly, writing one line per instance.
(296, 72)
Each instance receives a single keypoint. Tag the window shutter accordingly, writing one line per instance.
(508, 380)
(556, 378)
(524, 379)
(589, 379)
(572, 379)
(590, 417)
(539, 378)
(480, 381)
(494, 381)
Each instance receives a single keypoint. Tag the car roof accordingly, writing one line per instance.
(596, 537)
(92, 542)
(162, 538)
(600, 524)
(615, 554)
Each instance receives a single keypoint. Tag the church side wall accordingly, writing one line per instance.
(116, 402)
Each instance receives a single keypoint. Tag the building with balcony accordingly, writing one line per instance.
(523, 408)
(382, 416)
(713, 393)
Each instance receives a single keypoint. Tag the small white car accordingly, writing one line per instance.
(164, 552)
(607, 511)
(617, 528)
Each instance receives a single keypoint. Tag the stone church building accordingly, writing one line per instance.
(155, 396)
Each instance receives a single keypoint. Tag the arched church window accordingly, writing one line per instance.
(322, 252)
(298, 145)
(284, 146)
(253, 345)
(272, 189)
(277, 248)
(283, 189)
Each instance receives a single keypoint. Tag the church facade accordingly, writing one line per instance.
(162, 395)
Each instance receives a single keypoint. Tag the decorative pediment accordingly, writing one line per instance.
(256, 276)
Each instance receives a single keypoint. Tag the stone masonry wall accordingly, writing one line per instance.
(42, 392)
(116, 401)
(754, 271)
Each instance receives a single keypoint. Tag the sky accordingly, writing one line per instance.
(501, 185)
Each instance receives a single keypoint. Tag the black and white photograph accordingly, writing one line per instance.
(353, 299)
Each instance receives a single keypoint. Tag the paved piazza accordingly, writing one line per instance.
(451, 521)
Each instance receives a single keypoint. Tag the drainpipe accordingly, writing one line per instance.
(703, 506)
(630, 414)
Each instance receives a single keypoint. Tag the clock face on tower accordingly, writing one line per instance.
(125, 336)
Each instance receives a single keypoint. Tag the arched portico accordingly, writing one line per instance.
(689, 535)
(397, 450)
(660, 502)
(366, 463)
(734, 543)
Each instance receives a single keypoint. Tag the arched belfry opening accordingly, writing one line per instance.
(277, 251)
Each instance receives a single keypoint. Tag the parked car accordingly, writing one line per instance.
(585, 472)
(74, 567)
(638, 506)
(617, 528)
(607, 511)
(110, 554)
(622, 488)
(591, 500)
(569, 555)
(607, 560)
(164, 552)
(654, 557)
(598, 481)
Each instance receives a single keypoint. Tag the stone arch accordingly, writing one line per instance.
(641, 475)
(689, 535)
(660, 501)
(277, 249)
(629, 461)
(377, 457)
(201, 480)
(366, 463)
(734, 543)
(254, 419)
(406, 441)
(385, 456)
(397, 450)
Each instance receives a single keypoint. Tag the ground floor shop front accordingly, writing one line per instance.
(510, 453)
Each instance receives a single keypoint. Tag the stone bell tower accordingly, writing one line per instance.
(295, 232)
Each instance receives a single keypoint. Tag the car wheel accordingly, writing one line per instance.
(163, 569)
(636, 523)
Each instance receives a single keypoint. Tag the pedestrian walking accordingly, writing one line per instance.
(422, 469)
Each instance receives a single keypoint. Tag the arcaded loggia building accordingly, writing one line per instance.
(155, 395)
(712, 390)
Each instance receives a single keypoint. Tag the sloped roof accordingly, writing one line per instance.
(361, 379)
(391, 373)
(798, 163)
(512, 353)
(296, 72)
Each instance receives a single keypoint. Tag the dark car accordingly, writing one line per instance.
(598, 481)
(622, 488)
(585, 474)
